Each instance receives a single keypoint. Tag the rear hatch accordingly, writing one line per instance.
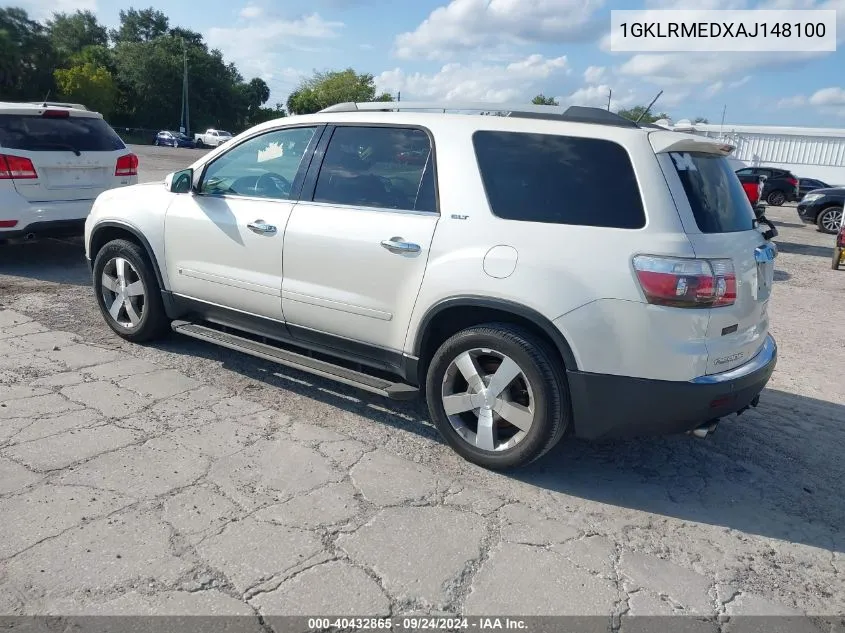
(73, 153)
(722, 228)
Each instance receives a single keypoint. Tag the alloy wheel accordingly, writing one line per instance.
(123, 292)
(831, 220)
(488, 399)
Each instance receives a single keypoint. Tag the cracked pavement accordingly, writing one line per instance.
(184, 479)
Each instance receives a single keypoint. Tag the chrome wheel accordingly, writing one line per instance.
(831, 220)
(124, 295)
(777, 198)
(488, 399)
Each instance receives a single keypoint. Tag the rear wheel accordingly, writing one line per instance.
(829, 220)
(498, 396)
(837, 257)
(776, 198)
(128, 293)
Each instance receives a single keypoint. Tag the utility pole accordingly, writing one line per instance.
(722, 125)
(609, 94)
(186, 121)
(399, 96)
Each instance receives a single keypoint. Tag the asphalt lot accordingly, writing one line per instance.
(218, 481)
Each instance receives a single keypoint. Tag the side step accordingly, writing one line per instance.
(380, 386)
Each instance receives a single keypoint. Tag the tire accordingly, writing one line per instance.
(538, 390)
(836, 260)
(829, 220)
(776, 198)
(146, 320)
(155, 142)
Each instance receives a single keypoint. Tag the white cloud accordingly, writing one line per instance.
(828, 97)
(464, 25)
(594, 74)
(790, 103)
(519, 80)
(251, 11)
(257, 45)
(596, 96)
(44, 9)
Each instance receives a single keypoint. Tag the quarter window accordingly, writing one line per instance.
(262, 167)
(559, 179)
(383, 167)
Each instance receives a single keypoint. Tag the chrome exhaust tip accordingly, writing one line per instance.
(705, 430)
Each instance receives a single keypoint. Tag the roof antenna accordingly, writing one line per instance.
(47, 96)
(649, 107)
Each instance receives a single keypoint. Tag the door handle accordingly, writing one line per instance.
(399, 245)
(261, 227)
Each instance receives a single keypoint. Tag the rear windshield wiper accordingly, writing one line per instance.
(63, 146)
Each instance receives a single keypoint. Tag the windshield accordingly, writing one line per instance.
(715, 194)
(224, 133)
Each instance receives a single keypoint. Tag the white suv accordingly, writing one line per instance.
(54, 162)
(534, 274)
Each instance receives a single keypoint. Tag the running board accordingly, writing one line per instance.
(380, 386)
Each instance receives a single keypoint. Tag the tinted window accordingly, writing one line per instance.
(715, 194)
(39, 134)
(262, 167)
(746, 172)
(559, 179)
(384, 167)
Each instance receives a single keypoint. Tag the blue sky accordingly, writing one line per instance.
(507, 51)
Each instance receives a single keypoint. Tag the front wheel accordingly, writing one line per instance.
(128, 293)
(829, 220)
(837, 257)
(498, 395)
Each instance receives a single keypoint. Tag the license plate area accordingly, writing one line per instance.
(74, 177)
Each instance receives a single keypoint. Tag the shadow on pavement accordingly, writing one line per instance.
(806, 249)
(54, 260)
(775, 471)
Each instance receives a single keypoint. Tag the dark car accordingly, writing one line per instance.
(173, 139)
(780, 186)
(806, 185)
(823, 207)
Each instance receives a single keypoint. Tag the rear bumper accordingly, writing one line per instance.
(59, 217)
(607, 406)
(57, 228)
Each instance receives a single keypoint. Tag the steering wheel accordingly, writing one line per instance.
(272, 182)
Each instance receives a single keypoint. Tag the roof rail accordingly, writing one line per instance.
(574, 114)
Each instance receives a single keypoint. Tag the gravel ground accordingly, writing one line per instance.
(754, 513)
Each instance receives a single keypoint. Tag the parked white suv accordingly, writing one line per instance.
(54, 161)
(535, 274)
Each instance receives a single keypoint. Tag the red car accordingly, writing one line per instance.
(753, 186)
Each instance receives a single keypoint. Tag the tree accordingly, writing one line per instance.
(326, 89)
(27, 58)
(71, 32)
(700, 119)
(542, 99)
(140, 26)
(89, 84)
(635, 112)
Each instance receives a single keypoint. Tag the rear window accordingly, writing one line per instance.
(715, 194)
(39, 134)
(559, 179)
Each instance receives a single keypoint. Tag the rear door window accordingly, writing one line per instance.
(558, 179)
(381, 167)
(715, 194)
(35, 133)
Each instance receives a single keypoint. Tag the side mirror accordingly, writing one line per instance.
(180, 181)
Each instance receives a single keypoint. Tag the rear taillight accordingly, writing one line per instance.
(8, 224)
(16, 168)
(792, 181)
(126, 166)
(686, 283)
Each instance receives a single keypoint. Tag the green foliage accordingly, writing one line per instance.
(544, 100)
(88, 84)
(701, 119)
(326, 89)
(635, 112)
(72, 32)
(140, 26)
(27, 58)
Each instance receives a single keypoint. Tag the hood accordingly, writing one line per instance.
(830, 191)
